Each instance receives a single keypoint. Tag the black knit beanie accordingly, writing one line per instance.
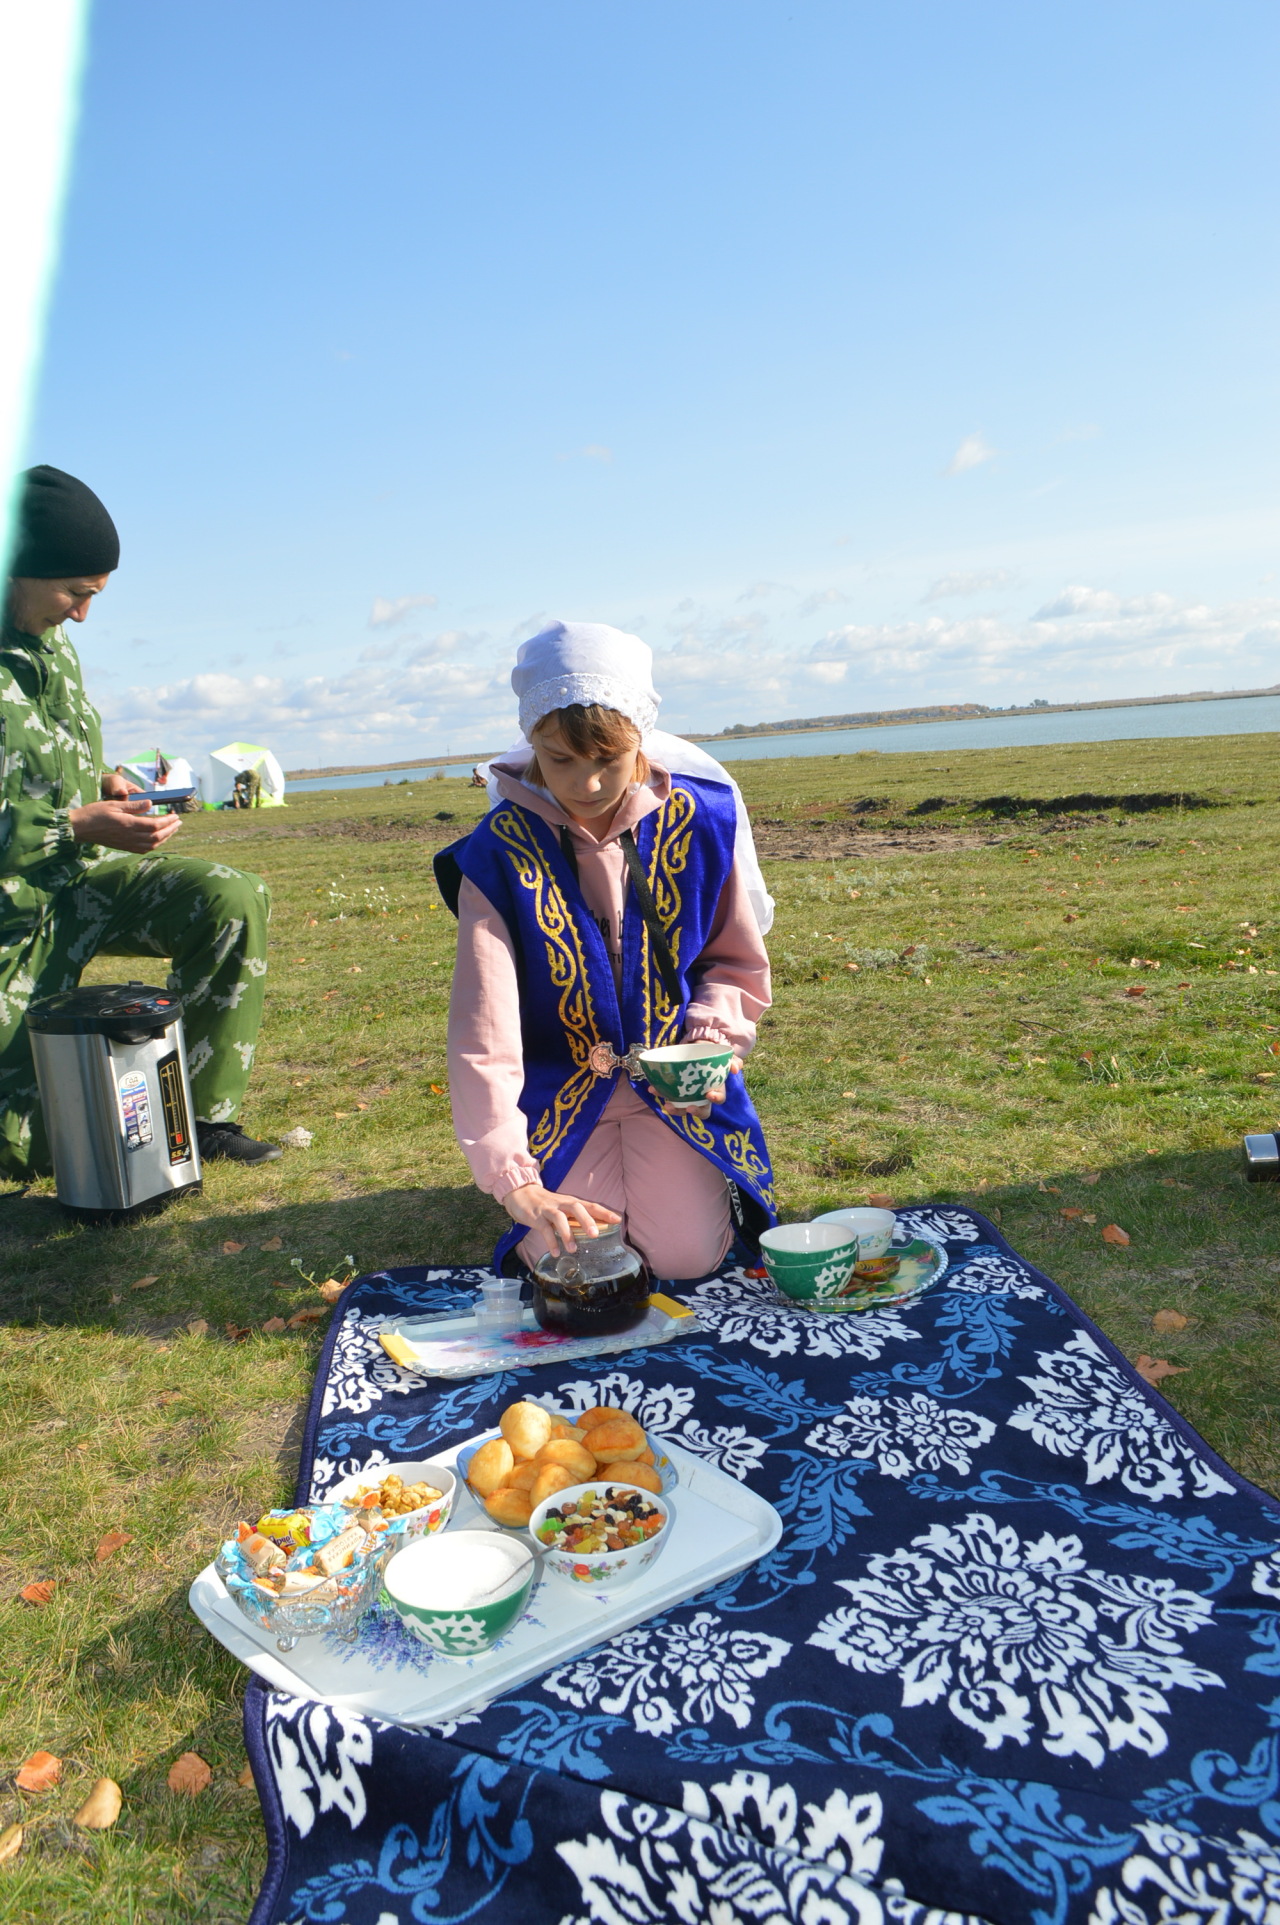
(62, 529)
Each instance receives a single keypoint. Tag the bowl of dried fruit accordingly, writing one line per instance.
(601, 1533)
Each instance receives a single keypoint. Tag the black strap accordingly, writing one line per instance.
(657, 935)
(568, 851)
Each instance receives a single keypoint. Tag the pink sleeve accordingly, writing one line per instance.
(732, 991)
(486, 1059)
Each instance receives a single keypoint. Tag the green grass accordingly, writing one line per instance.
(1000, 1061)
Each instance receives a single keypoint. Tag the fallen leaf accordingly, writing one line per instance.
(983, 1184)
(1069, 917)
(437, 1089)
(1135, 989)
(238, 1331)
(847, 1093)
(361, 1061)
(1114, 1234)
(189, 1774)
(1274, 1048)
(879, 1201)
(341, 1113)
(1091, 1176)
(10, 1843)
(245, 1778)
(41, 1592)
(108, 1546)
(144, 1283)
(362, 1106)
(1089, 1217)
(1071, 1212)
(102, 1807)
(231, 1248)
(1182, 985)
(273, 1326)
(272, 1243)
(312, 1314)
(329, 995)
(355, 970)
(1169, 1320)
(197, 1327)
(40, 1773)
(1049, 1189)
(115, 1296)
(331, 1289)
(168, 1396)
(1152, 1369)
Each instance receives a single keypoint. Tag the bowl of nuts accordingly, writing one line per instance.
(414, 1499)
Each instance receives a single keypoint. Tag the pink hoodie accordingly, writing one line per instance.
(486, 1064)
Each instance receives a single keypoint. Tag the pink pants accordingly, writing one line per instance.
(674, 1204)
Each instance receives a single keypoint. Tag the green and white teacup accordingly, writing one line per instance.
(873, 1228)
(459, 1593)
(809, 1261)
(684, 1074)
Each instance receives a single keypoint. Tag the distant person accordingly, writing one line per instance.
(246, 790)
(82, 877)
(567, 961)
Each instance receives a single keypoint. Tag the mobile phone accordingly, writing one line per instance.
(168, 795)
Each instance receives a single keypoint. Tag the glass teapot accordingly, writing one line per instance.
(595, 1291)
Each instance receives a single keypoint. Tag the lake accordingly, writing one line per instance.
(1233, 715)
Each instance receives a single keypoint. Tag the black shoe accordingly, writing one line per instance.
(228, 1139)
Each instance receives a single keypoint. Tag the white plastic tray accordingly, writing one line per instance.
(718, 1527)
(452, 1346)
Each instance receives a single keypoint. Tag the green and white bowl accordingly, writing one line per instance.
(685, 1073)
(809, 1262)
(459, 1593)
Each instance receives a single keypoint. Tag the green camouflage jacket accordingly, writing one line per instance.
(50, 763)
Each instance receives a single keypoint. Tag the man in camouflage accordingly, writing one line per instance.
(82, 872)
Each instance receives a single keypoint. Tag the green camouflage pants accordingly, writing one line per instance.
(212, 922)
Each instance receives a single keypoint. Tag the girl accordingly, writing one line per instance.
(605, 905)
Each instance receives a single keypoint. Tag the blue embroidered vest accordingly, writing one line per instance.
(568, 1000)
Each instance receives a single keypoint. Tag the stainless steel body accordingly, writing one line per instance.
(118, 1118)
(1262, 1159)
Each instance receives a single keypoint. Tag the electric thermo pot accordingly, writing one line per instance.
(111, 1063)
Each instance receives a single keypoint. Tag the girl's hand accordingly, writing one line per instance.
(556, 1216)
(127, 825)
(713, 1096)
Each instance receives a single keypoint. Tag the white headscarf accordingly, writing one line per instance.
(588, 662)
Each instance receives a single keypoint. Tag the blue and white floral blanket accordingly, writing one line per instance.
(1016, 1658)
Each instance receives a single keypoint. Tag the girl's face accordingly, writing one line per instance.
(590, 789)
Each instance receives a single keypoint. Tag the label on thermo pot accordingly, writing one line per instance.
(135, 1109)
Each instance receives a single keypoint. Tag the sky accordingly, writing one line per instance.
(856, 356)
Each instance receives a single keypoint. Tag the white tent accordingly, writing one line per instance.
(221, 767)
(142, 768)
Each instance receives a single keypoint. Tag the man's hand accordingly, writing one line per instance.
(116, 786)
(127, 825)
(556, 1216)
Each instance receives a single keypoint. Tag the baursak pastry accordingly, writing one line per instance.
(644, 1476)
(570, 1456)
(521, 1478)
(491, 1466)
(550, 1479)
(598, 1414)
(526, 1427)
(615, 1441)
(509, 1507)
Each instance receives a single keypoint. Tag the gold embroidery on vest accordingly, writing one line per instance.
(568, 969)
(667, 864)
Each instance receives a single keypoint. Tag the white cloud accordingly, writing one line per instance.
(971, 453)
(949, 586)
(726, 663)
(384, 613)
(822, 598)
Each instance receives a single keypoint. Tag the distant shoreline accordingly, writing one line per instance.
(881, 718)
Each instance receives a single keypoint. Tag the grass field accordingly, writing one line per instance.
(953, 1020)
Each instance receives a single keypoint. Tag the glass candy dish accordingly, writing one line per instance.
(339, 1603)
